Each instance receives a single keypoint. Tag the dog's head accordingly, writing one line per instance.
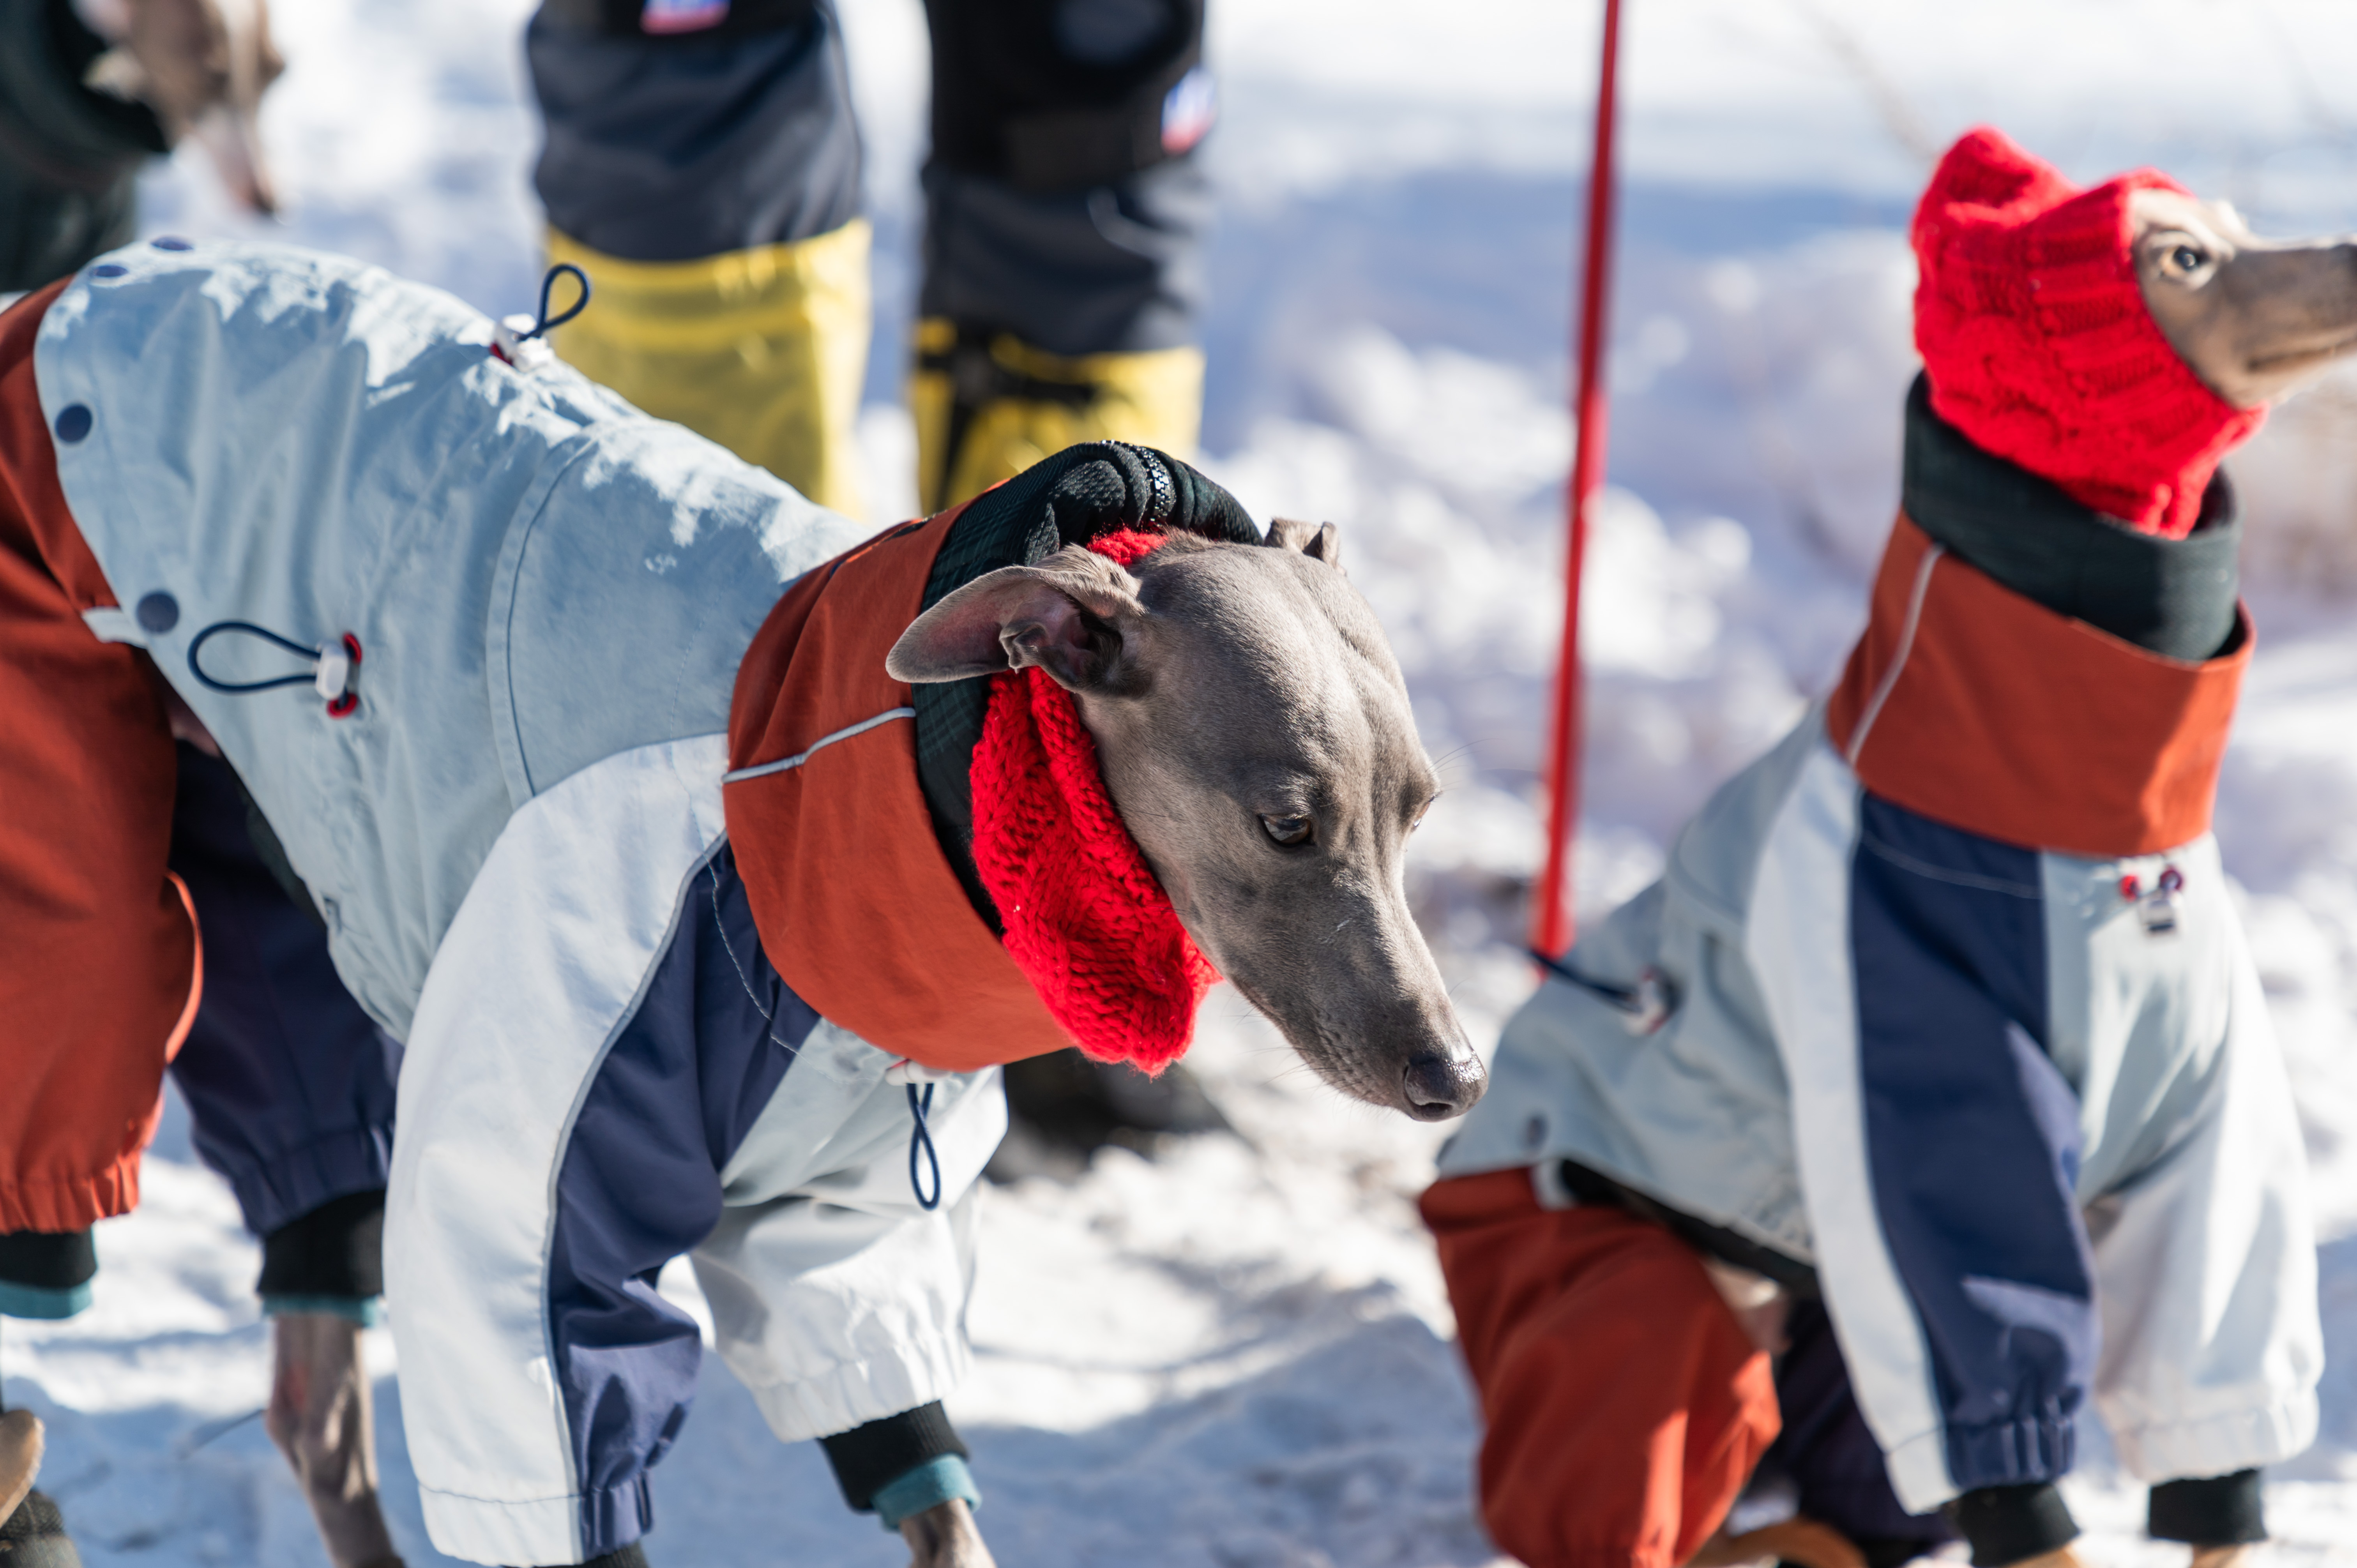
(2257, 319)
(2117, 339)
(1254, 731)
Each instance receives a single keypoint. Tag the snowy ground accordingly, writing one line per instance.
(1239, 1355)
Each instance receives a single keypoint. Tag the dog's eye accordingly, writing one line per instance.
(2187, 259)
(1288, 831)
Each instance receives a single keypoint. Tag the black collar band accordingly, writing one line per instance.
(2171, 597)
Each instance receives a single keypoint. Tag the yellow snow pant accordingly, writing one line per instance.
(1026, 405)
(762, 350)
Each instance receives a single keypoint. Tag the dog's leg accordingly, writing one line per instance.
(319, 1416)
(944, 1536)
(20, 1458)
(21, 1441)
(2221, 1556)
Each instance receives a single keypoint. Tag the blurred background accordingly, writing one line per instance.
(1238, 1354)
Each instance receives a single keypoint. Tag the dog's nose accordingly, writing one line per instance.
(1439, 1087)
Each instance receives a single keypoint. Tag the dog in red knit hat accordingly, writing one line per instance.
(2120, 341)
(1963, 1112)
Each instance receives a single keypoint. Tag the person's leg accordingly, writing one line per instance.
(709, 183)
(290, 1091)
(1625, 1406)
(1066, 218)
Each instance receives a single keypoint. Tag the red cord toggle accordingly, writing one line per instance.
(335, 677)
(2130, 887)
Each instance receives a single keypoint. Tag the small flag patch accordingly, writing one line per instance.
(1188, 110)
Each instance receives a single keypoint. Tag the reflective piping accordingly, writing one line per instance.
(782, 764)
(1899, 660)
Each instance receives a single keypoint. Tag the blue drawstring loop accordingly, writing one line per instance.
(521, 340)
(548, 287)
(330, 675)
(921, 1142)
(308, 655)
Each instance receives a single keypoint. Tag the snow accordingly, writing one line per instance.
(1240, 1354)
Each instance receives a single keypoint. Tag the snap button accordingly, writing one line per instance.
(108, 270)
(73, 422)
(158, 612)
(171, 243)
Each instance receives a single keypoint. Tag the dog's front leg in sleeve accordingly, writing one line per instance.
(2206, 1256)
(562, 1135)
(837, 1297)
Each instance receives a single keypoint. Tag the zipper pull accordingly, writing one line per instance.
(2156, 908)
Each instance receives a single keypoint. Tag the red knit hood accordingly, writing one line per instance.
(1086, 921)
(2034, 333)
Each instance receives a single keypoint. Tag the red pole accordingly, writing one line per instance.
(1551, 922)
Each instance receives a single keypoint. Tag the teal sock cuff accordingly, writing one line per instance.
(368, 1311)
(42, 1301)
(930, 1485)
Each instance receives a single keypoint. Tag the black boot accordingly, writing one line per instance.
(35, 1536)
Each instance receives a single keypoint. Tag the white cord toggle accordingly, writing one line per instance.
(333, 676)
(515, 339)
(1649, 1004)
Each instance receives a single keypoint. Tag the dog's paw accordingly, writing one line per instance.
(2224, 1556)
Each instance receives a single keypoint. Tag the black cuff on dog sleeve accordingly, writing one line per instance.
(631, 1556)
(47, 1260)
(1892, 1551)
(335, 1249)
(2218, 1510)
(867, 1458)
(2007, 1524)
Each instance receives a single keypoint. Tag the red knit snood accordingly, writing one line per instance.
(1086, 921)
(2038, 343)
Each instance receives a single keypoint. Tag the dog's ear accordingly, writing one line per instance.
(1319, 541)
(1065, 615)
